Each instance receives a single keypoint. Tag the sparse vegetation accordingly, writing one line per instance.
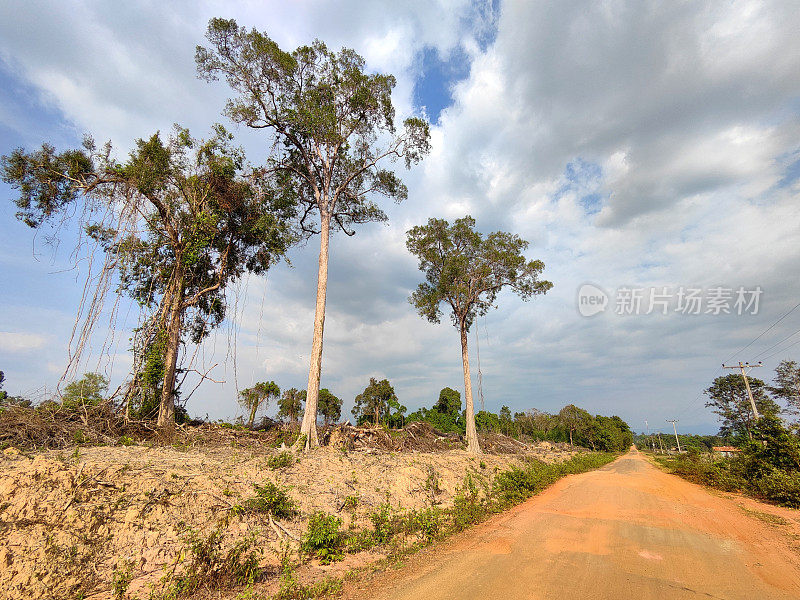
(280, 460)
(323, 539)
(269, 499)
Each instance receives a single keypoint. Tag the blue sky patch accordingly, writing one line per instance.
(433, 89)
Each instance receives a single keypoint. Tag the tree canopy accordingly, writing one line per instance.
(290, 404)
(333, 127)
(256, 397)
(330, 406)
(89, 390)
(178, 221)
(787, 384)
(465, 270)
(727, 397)
(378, 402)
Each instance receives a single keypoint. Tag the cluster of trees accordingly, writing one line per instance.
(183, 218)
(728, 399)
(290, 404)
(572, 424)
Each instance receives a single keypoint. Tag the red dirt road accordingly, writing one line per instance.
(627, 530)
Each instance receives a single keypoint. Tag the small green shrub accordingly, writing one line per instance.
(280, 460)
(384, 523)
(269, 499)
(79, 437)
(323, 539)
(208, 567)
(781, 487)
(126, 441)
(429, 522)
(121, 579)
(351, 503)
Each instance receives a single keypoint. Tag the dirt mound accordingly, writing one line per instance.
(70, 521)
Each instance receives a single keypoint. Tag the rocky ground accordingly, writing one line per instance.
(76, 521)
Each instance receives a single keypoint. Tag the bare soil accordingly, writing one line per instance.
(627, 530)
(71, 517)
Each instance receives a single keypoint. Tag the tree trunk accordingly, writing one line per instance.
(166, 409)
(473, 447)
(252, 416)
(309, 425)
(571, 445)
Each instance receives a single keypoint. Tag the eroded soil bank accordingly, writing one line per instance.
(71, 520)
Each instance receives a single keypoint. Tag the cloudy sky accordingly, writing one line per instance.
(636, 145)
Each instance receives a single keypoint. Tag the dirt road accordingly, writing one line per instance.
(625, 531)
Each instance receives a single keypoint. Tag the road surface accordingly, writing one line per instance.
(627, 530)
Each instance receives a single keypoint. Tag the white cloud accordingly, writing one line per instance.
(13, 342)
(687, 111)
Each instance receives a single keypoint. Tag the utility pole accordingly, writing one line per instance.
(741, 367)
(650, 438)
(673, 421)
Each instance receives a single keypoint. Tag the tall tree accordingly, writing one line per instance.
(330, 406)
(257, 397)
(575, 420)
(333, 125)
(727, 397)
(449, 402)
(466, 270)
(291, 403)
(178, 221)
(376, 401)
(787, 384)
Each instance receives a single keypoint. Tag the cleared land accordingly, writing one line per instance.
(70, 518)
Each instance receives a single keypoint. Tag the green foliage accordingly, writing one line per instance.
(449, 402)
(257, 397)
(87, 391)
(280, 460)
(727, 397)
(318, 100)
(768, 468)
(121, 579)
(445, 415)
(323, 539)
(384, 523)
(329, 407)
(179, 220)
(270, 499)
(487, 422)
(787, 384)
(773, 448)
(467, 270)
(350, 503)
(208, 567)
(378, 402)
(290, 404)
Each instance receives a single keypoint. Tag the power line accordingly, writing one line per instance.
(776, 345)
(791, 310)
(781, 350)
